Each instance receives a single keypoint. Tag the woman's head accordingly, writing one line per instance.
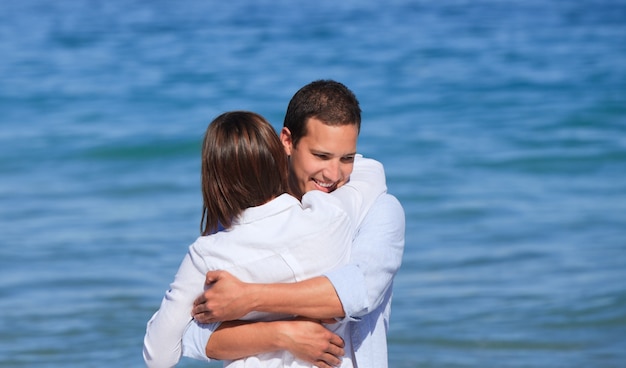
(243, 165)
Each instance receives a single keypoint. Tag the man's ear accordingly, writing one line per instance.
(285, 138)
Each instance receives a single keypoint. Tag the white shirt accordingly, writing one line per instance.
(364, 287)
(280, 241)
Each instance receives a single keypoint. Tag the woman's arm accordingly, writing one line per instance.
(367, 182)
(162, 342)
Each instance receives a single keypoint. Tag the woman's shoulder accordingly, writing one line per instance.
(317, 200)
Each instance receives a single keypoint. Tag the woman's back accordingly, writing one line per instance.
(280, 241)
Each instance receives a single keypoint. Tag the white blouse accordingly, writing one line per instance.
(281, 241)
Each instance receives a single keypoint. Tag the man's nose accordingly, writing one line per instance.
(333, 171)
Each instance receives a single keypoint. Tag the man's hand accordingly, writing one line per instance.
(226, 299)
(310, 341)
(305, 338)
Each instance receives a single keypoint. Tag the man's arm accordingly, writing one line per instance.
(306, 339)
(229, 299)
(356, 289)
(352, 290)
(376, 257)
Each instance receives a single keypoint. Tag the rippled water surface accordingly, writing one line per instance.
(502, 126)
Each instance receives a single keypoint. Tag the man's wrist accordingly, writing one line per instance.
(283, 340)
(251, 297)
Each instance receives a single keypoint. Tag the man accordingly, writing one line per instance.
(319, 135)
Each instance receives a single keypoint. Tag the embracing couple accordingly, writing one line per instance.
(300, 244)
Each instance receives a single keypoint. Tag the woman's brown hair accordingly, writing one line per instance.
(243, 165)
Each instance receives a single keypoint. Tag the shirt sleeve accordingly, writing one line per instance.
(164, 332)
(376, 257)
(196, 338)
(367, 183)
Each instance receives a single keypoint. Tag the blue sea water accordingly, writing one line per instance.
(501, 124)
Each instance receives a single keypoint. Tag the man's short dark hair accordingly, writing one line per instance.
(326, 100)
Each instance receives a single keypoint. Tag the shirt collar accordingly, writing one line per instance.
(277, 205)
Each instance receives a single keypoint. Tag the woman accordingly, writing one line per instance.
(269, 236)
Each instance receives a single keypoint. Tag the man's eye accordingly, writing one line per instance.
(321, 156)
(347, 160)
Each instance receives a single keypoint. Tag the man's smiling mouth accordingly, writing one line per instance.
(324, 185)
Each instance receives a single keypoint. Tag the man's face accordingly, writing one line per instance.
(323, 158)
